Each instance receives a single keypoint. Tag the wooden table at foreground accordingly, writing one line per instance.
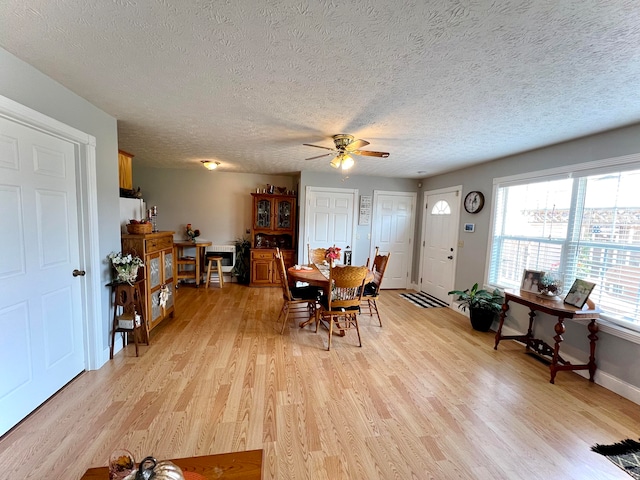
(556, 308)
(226, 466)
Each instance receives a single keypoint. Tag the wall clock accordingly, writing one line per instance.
(474, 201)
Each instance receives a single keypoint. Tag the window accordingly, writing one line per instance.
(441, 208)
(581, 224)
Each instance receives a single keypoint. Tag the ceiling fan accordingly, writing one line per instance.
(346, 146)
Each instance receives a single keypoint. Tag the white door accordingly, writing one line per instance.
(440, 238)
(393, 227)
(41, 347)
(329, 218)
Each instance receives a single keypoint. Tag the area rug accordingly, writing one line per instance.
(625, 455)
(423, 300)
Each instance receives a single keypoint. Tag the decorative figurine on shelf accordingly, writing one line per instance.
(191, 233)
(126, 266)
(332, 254)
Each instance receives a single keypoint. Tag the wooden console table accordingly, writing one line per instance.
(555, 308)
(246, 465)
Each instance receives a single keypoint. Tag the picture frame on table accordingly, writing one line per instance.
(531, 280)
(579, 293)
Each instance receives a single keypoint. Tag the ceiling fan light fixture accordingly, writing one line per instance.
(347, 162)
(209, 165)
(335, 163)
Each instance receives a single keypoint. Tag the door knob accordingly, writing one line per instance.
(450, 257)
(79, 273)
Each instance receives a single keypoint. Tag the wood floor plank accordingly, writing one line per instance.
(425, 397)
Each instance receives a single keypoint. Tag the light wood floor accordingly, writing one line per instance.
(425, 397)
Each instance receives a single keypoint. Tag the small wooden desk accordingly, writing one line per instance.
(226, 466)
(197, 260)
(555, 308)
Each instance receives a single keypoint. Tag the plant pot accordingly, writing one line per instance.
(481, 319)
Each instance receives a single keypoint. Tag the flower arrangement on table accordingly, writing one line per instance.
(332, 253)
(191, 233)
(126, 266)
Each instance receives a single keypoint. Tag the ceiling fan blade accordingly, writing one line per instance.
(319, 156)
(355, 145)
(318, 146)
(369, 153)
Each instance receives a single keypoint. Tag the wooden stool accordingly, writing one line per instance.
(127, 304)
(218, 260)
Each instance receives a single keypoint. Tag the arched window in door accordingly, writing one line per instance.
(441, 208)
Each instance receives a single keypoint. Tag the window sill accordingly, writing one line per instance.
(619, 331)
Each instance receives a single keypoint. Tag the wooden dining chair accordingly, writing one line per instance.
(306, 297)
(316, 255)
(372, 290)
(341, 305)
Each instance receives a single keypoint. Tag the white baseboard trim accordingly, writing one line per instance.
(604, 379)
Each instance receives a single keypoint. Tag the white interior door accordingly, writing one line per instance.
(329, 218)
(393, 227)
(42, 347)
(440, 239)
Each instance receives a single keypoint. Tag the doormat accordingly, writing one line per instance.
(626, 455)
(423, 300)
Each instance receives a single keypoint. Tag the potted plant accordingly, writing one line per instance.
(242, 268)
(483, 305)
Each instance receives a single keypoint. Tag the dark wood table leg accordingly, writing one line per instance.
(593, 338)
(560, 329)
(503, 314)
(529, 337)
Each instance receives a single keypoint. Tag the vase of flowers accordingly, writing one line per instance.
(126, 266)
(191, 233)
(551, 284)
(332, 254)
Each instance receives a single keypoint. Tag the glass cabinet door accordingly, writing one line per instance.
(263, 214)
(168, 266)
(284, 214)
(154, 270)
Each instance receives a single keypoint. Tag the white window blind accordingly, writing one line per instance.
(585, 227)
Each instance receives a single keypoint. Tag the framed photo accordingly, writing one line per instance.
(469, 227)
(531, 280)
(579, 292)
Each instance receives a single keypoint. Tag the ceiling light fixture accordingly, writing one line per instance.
(347, 162)
(209, 165)
(342, 160)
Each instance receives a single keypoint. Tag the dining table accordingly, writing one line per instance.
(316, 275)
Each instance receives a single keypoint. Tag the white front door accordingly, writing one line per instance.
(393, 227)
(440, 239)
(41, 347)
(329, 218)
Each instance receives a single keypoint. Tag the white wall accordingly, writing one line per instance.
(24, 84)
(618, 359)
(217, 203)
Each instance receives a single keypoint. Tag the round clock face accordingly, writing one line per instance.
(473, 202)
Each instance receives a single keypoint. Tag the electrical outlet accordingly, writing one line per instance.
(461, 243)
(368, 236)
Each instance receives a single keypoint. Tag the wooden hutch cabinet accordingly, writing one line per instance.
(274, 225)
(156, 251)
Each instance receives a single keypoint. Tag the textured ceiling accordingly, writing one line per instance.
(439, 84)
